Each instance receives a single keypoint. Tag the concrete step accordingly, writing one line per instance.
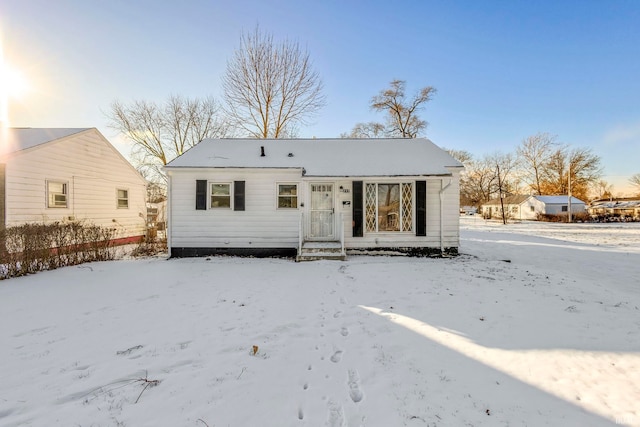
(321, 250)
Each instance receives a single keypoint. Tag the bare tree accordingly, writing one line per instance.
(579, 165)
(162, 132)
(635, 181)
(402, 112)
(602, 189)
(478, 184)
(365, 130)
(535, 152)
(463, 156)
(466, 158)
(270, 87)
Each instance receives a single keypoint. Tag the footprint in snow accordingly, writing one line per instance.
(355, 393)
(337, 314)
(337, 356)
(336, 415)
(344, 331)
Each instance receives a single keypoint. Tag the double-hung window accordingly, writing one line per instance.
(220, 195)
(287, 196)
(122, 198)
(389, 207)
(57, 193)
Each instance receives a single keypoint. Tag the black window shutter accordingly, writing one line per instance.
(357, 209)
(421, 208)
(238, 195)
(201, 195)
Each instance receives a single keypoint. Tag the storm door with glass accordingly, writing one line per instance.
(321, 222)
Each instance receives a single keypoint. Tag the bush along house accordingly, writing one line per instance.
(313, 198)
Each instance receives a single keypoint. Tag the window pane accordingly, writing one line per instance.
(407, 206)
(56, 187)
(287, 190)
(388, 207)
(288, 202)
(122, 194)
(370, 207)
(220, 189)
(57, 194)
(220, 195)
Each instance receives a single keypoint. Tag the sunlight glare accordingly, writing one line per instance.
(13, 85)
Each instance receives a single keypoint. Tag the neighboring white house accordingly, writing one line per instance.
(49, 175)
(620, 209)
(559, 205)
(306, 196)
(523, 207)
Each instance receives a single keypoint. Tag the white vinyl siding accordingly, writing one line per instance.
(92, 168)
(264, 225)
(260, 225)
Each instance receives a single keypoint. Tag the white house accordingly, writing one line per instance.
(523, 207)
(49, 175)
(308, 196)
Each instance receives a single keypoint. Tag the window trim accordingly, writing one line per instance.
(118, 198)
(210, 194)
(65, 188)
(400, 207)
(278, 196)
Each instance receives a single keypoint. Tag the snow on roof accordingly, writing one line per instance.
(18, 139)
(552, 200)
(323, 157)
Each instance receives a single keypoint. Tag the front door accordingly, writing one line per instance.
(321, 225)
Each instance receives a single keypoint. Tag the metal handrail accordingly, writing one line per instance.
(300, 233)
(342, 252)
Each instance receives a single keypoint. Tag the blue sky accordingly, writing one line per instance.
(504, 70)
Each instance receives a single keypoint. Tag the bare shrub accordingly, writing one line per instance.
(34, 247)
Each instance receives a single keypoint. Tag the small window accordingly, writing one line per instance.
(287, 196)
(56, 194)
(514, 209)
(565, 209)
(533, 209)
(123, 199)
(220, 196)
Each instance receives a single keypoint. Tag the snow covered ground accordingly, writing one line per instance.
(534, 325)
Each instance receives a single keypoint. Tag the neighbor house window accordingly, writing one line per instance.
(564, 209)
(287, 196)
(389, 207)
(57, 194)
(514, 209)
(122, 198)
(220, 195)
(533, 209)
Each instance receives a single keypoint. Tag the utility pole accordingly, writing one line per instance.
(504, 217)
(569, 185)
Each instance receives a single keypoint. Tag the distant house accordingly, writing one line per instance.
(55, 174)
(313, 197)
(559, 205)
(525, 207)
(615, 209)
